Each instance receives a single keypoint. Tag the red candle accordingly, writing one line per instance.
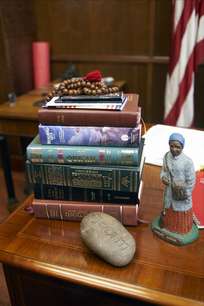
(41, 63)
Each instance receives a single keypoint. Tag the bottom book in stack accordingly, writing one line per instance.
(127, 214)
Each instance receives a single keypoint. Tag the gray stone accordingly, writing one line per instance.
(108, 238)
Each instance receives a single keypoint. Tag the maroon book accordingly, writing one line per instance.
(129, 116)
(75, 211)
(198, 199)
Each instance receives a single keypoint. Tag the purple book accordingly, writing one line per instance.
(90, 136)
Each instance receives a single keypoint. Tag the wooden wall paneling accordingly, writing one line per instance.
(158, 88)
(199, 98)
(122, 39)
(17, 25)
(162, 34)
(151, 53)
(44, 24)
(127, 34)
(122, 33)
(125, 39)
(5, 80)
(89, 27)
(17, 31)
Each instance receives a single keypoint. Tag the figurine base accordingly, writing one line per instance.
(174, 238)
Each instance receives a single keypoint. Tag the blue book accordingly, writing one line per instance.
(90, 136)
(55, 192)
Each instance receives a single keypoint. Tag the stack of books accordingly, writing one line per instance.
(86, 160)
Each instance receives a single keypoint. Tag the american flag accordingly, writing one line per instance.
(187, 52)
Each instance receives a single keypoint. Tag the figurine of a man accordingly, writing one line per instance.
(178, 175)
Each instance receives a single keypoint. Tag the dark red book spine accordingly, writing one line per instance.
(75, 211)
(198, 199)
(129, 117)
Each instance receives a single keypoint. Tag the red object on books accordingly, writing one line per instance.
(41, 63)
(129, 116)
(198, 199)
(93, 76)
(75, 211)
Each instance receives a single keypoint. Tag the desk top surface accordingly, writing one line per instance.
(26, 106)
(160, 273)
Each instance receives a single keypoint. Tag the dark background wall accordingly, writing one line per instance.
(126, 39)
(122, 38)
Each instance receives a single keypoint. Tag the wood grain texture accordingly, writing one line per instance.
(6, 85)
(122, 39)
(18, 32)
(99, 26)
(160, 273)
(19, 182)
(128, 40)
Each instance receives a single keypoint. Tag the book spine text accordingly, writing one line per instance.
(75, 211)
(90, 136)
(84, 155)
(54, 192)
(110, 178)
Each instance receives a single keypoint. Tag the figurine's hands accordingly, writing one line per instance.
(165, 180)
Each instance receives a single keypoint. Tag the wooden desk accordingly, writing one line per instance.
(46, 263)
(20, 119)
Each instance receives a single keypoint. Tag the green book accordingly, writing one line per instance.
(118, 178)
(84, 155)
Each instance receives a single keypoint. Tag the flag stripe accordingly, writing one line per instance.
(179, 71)
(178, 31)
(186, 115)
(187, 51)
(177, 13)
(184, 87)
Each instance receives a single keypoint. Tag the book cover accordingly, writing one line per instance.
(90, 135)
(54, 192)
(118, 178)
(115, 97)
(38, 153)
(75, 211)
(198, 199)
(129, 117)
(84, 102)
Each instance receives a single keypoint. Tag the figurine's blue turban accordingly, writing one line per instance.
(177, 137)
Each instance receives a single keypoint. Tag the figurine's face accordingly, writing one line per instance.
(175, 147)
